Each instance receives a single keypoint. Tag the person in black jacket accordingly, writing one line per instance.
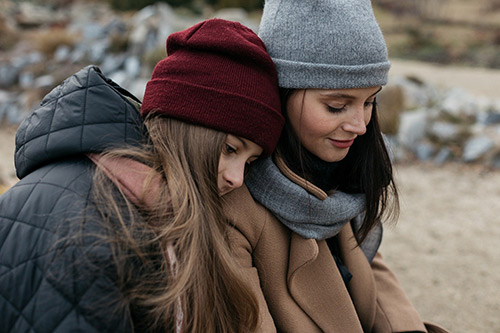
(116, 223)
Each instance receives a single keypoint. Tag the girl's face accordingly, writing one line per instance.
(327, 121)
(236, 154)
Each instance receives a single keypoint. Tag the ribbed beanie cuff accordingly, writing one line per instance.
(328, 44)
(235, 114)
(300, 75)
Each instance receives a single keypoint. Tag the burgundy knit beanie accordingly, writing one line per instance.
(218, 74)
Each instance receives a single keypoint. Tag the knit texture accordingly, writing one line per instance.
(299, 210)
(327, 44)
(304, 213)
(218, 74)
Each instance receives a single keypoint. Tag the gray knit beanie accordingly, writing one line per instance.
(327, 44)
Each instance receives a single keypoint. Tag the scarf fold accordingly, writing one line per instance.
(303, 212)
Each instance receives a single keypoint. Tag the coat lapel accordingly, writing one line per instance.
(311, 268)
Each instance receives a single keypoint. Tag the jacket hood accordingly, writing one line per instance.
(86, 113)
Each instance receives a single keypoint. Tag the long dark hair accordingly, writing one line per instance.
(367, 169)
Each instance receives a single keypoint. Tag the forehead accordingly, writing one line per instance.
(348, 93)
(245, 143)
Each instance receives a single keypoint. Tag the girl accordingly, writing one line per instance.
(309, 224)
(116, 226)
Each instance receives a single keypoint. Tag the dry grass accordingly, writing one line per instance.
(445, 31)
(8, 37)
(48, 41)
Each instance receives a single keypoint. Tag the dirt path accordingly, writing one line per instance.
(445, 248)
(476, 81)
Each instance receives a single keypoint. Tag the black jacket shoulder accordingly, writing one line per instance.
(51, 281)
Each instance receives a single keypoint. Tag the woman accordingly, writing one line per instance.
(116, 226)
(309, 224)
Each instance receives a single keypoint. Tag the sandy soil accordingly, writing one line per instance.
(445, 247)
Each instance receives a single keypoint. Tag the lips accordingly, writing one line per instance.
(342, 143)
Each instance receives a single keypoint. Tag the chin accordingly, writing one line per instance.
(334, 158)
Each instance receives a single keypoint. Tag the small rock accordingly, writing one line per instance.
(412, 128)
(476, 147)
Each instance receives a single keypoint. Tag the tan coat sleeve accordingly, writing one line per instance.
(395, 313)
(243, 239)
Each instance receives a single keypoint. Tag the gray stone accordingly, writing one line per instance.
(476, 147)
(112, 63)
(459, 103)
(132, 66)
(5, 101)
(491, 118)
(443, 156)
(416, 94)
(121, 78)
(97, 50)
(424, 151)
(443, 131)
(44, 81)
(8, 75)
(26, 80)
(412, 128)
(62, 53)
(138, 87)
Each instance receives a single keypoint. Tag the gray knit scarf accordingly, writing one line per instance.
(304, 213)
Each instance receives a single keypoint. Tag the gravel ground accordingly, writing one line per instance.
(445, 247)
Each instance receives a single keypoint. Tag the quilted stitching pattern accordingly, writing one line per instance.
(86, 113)
(43, 287)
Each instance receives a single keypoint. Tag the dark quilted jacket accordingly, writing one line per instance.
(46, 284)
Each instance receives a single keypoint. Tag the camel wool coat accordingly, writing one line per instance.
(298, 284)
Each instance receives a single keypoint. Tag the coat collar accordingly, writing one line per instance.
(308, 186)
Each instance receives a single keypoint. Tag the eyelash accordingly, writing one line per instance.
(230, 149)
(338, 110)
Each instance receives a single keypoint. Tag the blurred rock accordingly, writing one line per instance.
(477, 147)
(8, 75)
(416, 92)
(444, 132)
(390, 104)
(412, 128)
(44, 82)
(424, 151)
(443, 156)
(457, 102)
(32, 15)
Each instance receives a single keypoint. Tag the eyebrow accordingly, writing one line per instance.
(242, 141)
(342, 95)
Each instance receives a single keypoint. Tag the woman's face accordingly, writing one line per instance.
(236, 154)
(327, 121)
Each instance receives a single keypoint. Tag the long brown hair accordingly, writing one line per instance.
(188, 214)
(367, 169)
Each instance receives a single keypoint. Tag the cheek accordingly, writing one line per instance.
(307, 124)
(316, 124)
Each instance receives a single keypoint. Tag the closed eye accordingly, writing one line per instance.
(335, 110)
(372, 103)
(229, 149)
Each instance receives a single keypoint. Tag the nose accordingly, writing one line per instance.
(356, 123)
(234, 176)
